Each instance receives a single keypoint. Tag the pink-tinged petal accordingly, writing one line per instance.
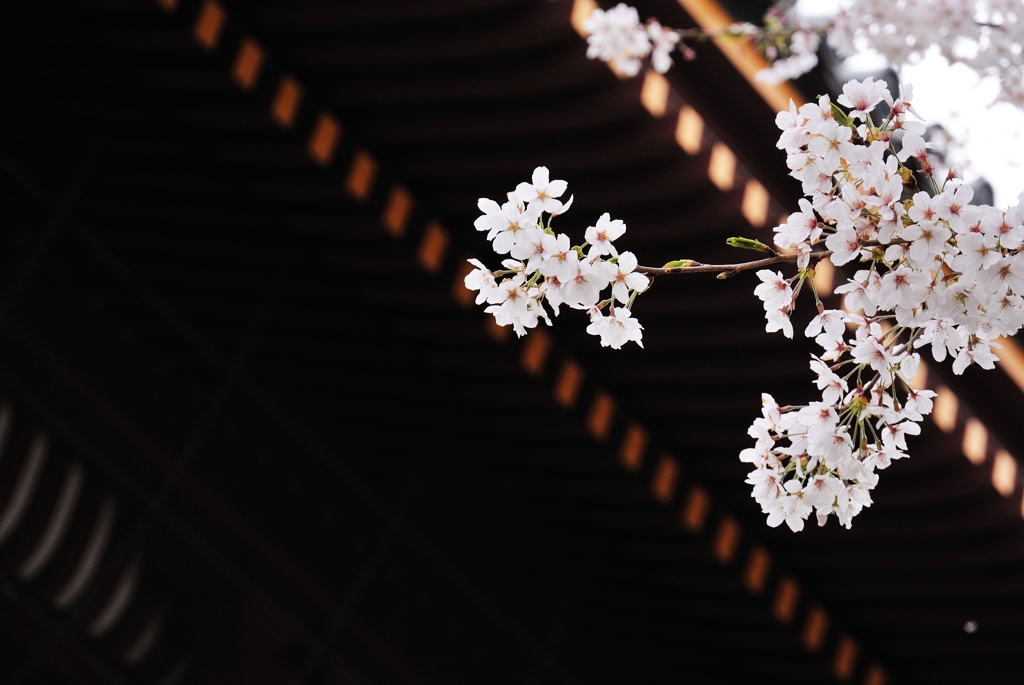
(564, 206)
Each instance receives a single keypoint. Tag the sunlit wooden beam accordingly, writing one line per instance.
(690, 130)
(248, 63)
(975, 442)
(209, 25)
(824, 278)
(786, 596)
(663, 485)
(1004, 473)
(722, 167)
(945, 409)
(920, 379)
(876, 676)
(498, 334)
(634, 446)
(695, 509)
(567, 386)
(710, 16)
(460, 293)
(581, 10)
(397, 211)
(755, 575)
(324, 138)
(815, 629)
(654, 94)
(599, 419)
(433, 247)
(1011, 359)
(361, 175)
(285, 104)
(845, 659)
(755, 203)
(727, 539)
(535, 350)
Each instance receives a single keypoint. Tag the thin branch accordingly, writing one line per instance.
(730, 269)
(742, 30)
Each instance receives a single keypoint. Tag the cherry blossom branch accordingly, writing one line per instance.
(690, 266)
(949, 275)
(748, 31)
(986, 33)
(728, 270)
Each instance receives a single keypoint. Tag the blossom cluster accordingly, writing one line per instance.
(544, 270)
(791, 55)
(617, 37)
(934, 271)
(930, 270)
(986, 35)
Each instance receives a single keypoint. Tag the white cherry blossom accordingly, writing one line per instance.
(617, 37)
(862, 96)
(617, 329)
(541, 193)
(626, 279)
(987, 36)
(583, 289)
(601, 235)
(664, 41)
(774, 290)
(480, 279)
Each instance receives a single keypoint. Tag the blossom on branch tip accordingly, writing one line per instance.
(616, 329)
(480, 279)
(541, 194)
(601, 235)
(505, 224)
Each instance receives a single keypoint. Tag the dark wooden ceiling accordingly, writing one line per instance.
(287, 452)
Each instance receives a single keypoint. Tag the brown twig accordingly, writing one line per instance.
(697, 268)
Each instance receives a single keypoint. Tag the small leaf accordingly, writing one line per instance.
(680, 263)
(841, 117)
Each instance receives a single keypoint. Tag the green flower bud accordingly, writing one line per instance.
(748, 244)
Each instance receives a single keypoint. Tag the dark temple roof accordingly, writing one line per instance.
(254, 430)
